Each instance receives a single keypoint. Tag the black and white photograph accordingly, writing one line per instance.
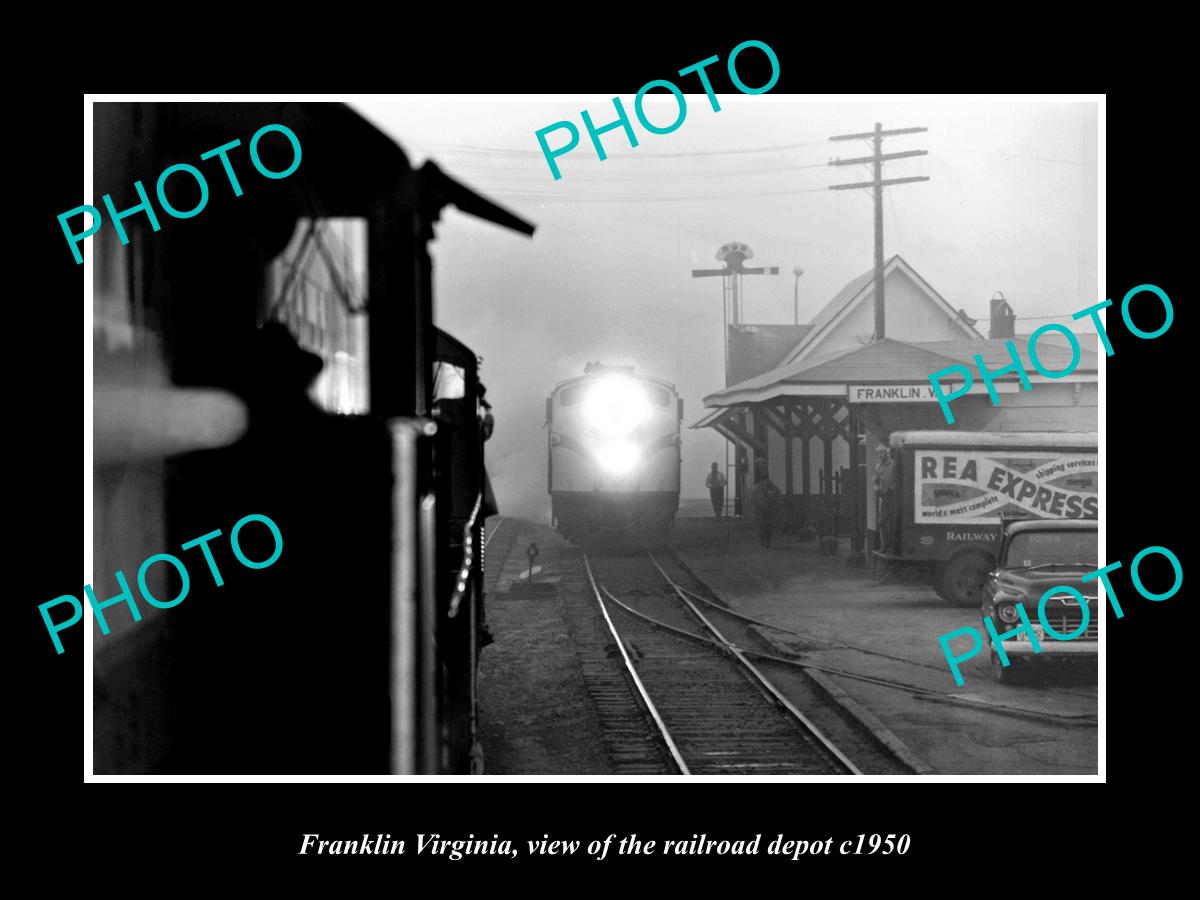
(707, 432)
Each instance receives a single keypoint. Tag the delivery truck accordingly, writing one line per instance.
(954, 488)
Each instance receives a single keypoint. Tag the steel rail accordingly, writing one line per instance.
(762, 680)
(663, 626)
(676, 756)
(810, 637)
(915, 690)
(843, 645)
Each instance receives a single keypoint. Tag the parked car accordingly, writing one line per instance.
(1037, 555)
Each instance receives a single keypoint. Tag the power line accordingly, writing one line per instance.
(513, 151)
(1060, 316)
(1063, 162)
(642, 176)
(511, 195)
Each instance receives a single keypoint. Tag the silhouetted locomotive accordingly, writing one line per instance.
(278, 355)
(614, 454)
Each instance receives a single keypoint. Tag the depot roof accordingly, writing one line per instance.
(893, 362)
(861, 290)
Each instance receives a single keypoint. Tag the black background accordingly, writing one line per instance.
(956, 833)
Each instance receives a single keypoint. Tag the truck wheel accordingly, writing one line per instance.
(961, 580)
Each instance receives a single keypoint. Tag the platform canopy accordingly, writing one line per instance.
(881, 387)
(724, 421)
(865, 374)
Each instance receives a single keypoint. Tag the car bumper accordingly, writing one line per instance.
(1051, 647)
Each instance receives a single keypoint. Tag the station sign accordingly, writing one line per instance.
(891, 393)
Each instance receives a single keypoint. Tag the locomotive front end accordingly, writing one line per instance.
(613, 454)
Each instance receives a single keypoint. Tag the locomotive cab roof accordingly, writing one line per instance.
(348, 163)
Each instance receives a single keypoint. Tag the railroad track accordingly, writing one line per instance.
(631, 746)
(917, 691)
(672, 697)
(714, 711)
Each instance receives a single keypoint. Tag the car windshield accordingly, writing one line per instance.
(1052, 548)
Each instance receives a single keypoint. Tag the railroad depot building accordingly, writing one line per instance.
(808, 404)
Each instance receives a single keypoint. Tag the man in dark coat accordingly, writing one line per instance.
(766, 500)
(715, 482)
(885, 489)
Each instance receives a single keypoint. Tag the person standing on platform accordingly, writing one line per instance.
(766, 498)
(885, 491)
(715, 482)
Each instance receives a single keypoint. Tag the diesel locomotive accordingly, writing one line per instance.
(614, 454)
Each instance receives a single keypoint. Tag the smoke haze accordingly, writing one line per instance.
(1010, 206)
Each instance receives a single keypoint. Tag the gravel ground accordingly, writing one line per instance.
(536, 717)
(791, 584)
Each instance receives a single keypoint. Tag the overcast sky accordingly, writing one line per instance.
(1011, 206)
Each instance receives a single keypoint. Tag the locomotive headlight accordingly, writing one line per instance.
(615, 405)
(617, 457)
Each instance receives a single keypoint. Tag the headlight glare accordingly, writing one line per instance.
(618, 457)
(615, 405)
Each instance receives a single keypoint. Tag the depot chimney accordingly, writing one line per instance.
(1004, 320)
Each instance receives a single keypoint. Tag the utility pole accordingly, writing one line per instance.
(796, 301)
(878, 184)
